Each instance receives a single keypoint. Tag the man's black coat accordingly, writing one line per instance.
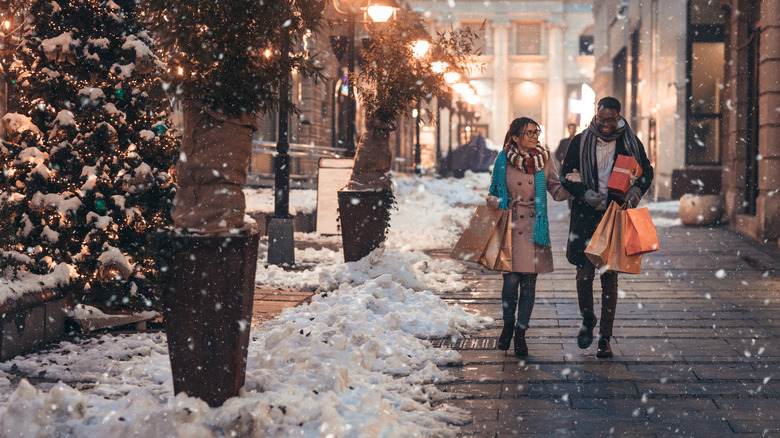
(584, 218)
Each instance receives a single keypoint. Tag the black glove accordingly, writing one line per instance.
(633, 196)
(594, 199)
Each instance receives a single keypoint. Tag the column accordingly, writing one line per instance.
(556, 85)
(501, 92)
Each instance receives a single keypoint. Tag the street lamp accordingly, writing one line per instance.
(379, 11)
(281, 244)
(419, 49)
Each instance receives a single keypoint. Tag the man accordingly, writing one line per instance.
(593, 153)
(564, 143)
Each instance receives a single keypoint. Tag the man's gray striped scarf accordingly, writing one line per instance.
(588, 149)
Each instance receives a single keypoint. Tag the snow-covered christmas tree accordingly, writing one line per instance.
(85, 164)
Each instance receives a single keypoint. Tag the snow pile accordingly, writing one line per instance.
(262, 200)
(432, 214)
(414, 270)
(354, 362)
(26, 283)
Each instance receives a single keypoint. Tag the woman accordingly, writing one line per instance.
(522, 174)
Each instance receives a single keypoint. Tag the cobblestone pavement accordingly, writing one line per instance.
(695, 342)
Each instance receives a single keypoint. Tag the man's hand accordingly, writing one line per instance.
(574, 176)
(492, 202)
(633, 196)
(594, 199)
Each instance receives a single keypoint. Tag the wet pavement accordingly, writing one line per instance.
(695, 342)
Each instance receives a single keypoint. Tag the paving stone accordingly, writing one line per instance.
(764, 428)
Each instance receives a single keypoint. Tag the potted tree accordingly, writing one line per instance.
(392, 79)
(224, 63)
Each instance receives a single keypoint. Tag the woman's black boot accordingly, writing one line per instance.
(521, 348)
(506, 336)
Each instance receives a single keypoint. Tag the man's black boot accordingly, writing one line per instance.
(585, 335)
(604, 350)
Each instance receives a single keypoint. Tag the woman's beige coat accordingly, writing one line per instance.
(528, 257)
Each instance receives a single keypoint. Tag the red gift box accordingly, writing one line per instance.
(624, 174)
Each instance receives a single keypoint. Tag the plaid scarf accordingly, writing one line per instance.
(588, 164)
(527, 162)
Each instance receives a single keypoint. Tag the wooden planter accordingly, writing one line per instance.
(363, 218)
(209, 287)
(31, 321)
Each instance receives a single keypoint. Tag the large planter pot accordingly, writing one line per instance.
(700, 209)
(209, 288)
(364, 217)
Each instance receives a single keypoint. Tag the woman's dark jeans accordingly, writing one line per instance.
(526, 283)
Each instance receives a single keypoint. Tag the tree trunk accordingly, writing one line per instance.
(212, 170)
(372, 158)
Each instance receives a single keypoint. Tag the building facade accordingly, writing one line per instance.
(538, 58)
(699, 85)
(751, 118)
(538, 63)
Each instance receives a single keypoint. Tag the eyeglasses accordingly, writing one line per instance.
(605, 120)
(533, 133)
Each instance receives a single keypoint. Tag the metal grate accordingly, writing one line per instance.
(467, 344)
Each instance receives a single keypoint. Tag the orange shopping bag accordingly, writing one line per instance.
(617, 258)
(640, 233)
(606, 249)
(599, 242)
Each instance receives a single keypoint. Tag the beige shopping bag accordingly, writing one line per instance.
(480, 233)
(498, 252)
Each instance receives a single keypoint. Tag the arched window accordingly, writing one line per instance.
(586, 42)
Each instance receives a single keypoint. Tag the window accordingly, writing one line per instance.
(484, 40)
(706, 12)
(527, 38)
(705, 78)
(586, 45)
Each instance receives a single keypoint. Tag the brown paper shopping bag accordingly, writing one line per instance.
(498, 252)
(599, 242)
(472, 243)
(617, 259)
(641, 236)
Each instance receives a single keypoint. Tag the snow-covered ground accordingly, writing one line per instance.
(356, 361)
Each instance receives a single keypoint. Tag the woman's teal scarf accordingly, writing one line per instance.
(498, 189)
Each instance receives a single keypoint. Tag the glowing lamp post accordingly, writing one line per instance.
(420, 48)
(379, 12)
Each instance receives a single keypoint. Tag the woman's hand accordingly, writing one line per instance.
(574, 176)
(492, 202)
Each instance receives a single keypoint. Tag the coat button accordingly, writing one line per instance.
(521, 216)
(519, 183)
(520, 232)
(531, 182)
(531, 199)
(520, 200)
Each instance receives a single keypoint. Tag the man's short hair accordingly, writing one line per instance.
(609, 103)
(571, 124)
